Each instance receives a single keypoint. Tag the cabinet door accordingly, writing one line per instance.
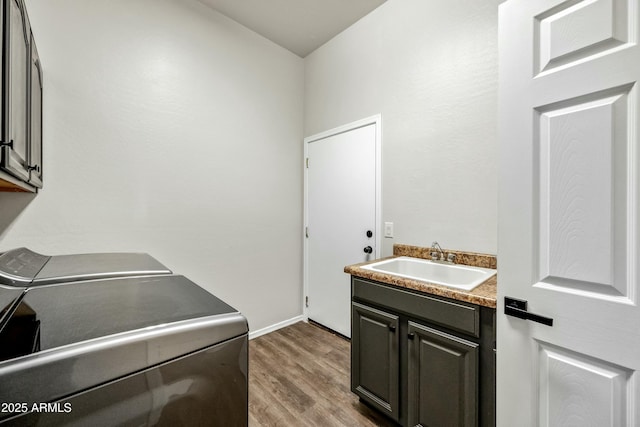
(374, 358)
(16, 52)
(35, 119)
(443, 379)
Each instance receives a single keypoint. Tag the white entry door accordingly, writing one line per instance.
(569, 204)
(341, 217)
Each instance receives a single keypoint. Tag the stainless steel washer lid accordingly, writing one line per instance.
(23, 267)
(68, 268)
(87, 333)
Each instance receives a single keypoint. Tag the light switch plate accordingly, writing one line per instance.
(388, 229)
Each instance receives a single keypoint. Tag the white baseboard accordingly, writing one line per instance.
(275, 327)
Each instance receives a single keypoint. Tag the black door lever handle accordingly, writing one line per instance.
(518, 308)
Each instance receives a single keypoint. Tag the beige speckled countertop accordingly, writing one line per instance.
(484, 294)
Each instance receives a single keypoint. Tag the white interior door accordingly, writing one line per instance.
(569, 213)
(341, 210)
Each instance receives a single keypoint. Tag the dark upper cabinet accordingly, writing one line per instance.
(35, 119)
(21, 154)
(17, 53)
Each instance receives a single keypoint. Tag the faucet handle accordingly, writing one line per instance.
(434, 256)
(451, 257)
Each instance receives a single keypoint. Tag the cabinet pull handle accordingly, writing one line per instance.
(34, 168)
(392, 328)
(411, 335)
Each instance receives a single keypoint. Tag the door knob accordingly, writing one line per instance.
(368, 250)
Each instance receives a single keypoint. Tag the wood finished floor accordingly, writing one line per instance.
(299, 376)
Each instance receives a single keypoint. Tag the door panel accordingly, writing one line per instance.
(569, 208)
(575, 30)
(577, 390)
(341, 180)
(582, 202)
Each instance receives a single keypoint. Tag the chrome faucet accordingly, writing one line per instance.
(440, 255)
(434, 255)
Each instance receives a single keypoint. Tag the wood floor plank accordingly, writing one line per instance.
(300, 376)
(263, 407)
(315, 345)
(314, 381)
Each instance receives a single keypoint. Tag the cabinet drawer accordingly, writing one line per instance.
(454, 315)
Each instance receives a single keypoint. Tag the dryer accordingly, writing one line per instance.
(154, 350)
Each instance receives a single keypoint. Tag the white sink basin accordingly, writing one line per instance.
(453, 275)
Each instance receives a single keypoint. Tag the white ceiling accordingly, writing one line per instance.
(300, 26)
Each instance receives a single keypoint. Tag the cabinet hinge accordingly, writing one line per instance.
(306, 301)
(307, 162)
(7, 144)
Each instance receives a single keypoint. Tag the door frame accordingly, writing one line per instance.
(377, 120)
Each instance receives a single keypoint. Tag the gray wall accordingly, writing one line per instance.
(431, 69)
(172, 130)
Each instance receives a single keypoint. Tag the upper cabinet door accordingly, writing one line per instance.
(35, 135)
(17, 52)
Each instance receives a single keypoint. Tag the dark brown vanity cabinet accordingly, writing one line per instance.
(422, 360)
(21, 143)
